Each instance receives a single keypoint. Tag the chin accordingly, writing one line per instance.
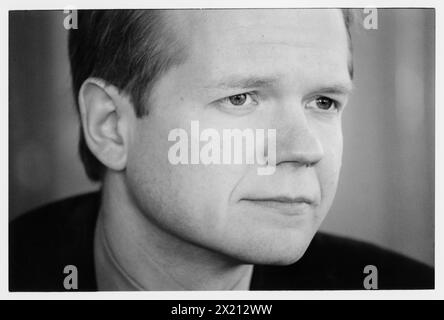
(277, 251)
(285, 258)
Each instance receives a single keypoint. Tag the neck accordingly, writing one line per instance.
(134, 253)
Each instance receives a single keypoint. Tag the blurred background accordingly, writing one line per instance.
(386, 190)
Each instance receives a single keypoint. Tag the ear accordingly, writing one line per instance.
(106, 115)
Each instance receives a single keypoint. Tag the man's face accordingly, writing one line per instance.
(247, 69)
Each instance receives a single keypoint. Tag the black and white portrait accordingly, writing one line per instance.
(221, 149)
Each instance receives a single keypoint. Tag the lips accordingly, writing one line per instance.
(299, 205)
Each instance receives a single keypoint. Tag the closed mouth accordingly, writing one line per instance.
(286, 205)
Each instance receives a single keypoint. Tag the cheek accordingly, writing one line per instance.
(329, 167)
(190, 200)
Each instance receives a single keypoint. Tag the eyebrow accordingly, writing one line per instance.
(336, 89)
(244, 82)
(237, 82)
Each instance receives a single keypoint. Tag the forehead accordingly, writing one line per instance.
(280, 41)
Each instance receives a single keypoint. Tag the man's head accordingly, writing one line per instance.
(140, 74)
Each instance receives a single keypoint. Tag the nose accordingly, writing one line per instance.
(297, 141)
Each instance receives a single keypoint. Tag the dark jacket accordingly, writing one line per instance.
(44, 241)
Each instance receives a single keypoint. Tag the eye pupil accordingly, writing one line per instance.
(324, 103)
(238, 99)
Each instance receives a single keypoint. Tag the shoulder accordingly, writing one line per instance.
(334, 262)
(43, 241)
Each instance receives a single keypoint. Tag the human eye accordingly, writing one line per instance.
(242, 102)
(324, 104)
